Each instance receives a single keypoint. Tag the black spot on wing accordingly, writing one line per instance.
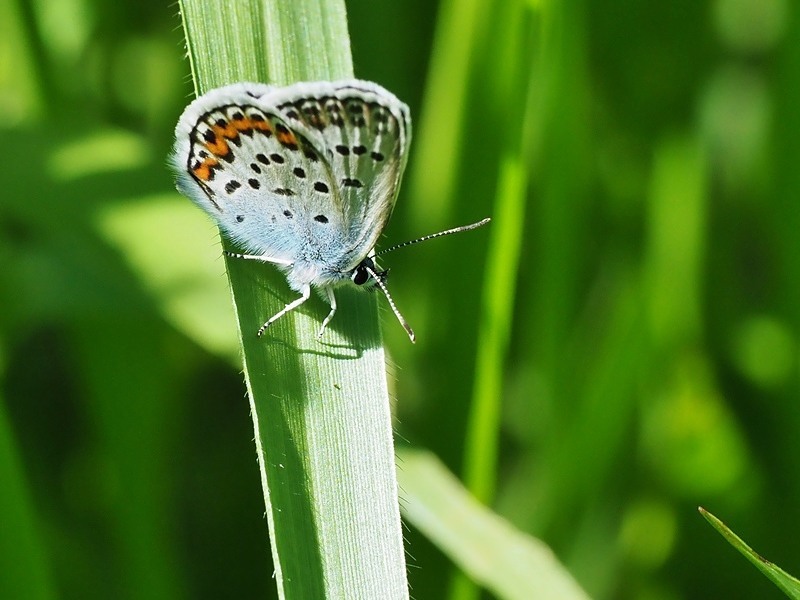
(232, 186)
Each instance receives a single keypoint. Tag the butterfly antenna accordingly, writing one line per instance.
(425, 238)
(396, 312)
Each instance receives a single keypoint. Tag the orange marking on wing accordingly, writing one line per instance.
(247, 124)
(205, 169)
(219, 147)
(287, 138)
(230, 130)
(262, 125)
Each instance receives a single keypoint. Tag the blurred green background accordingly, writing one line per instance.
(651, 364)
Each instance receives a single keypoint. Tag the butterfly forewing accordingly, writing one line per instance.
(262, 180)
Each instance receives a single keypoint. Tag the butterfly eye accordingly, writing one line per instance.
(360, 276)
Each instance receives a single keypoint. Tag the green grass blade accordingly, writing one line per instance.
(321, 409)
(320, 47)
(459, 30)
(504, 249)
(788, 584)
(514, 81)
(507, 562)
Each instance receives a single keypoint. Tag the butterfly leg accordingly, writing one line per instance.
(332, 302)
(289, 307)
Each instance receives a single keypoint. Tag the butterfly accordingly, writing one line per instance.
(304, 177)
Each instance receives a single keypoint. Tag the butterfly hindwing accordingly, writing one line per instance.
(365, 132)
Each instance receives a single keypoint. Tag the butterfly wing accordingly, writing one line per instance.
(308, 172)
(238, 159)
(365, 132)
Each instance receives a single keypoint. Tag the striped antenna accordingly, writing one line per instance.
(425, 239)
(382, 285)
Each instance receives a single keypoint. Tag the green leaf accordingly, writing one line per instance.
(788, 584)
(321, 408)
(507, 562)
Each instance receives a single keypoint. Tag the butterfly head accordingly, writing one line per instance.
(367, 273)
